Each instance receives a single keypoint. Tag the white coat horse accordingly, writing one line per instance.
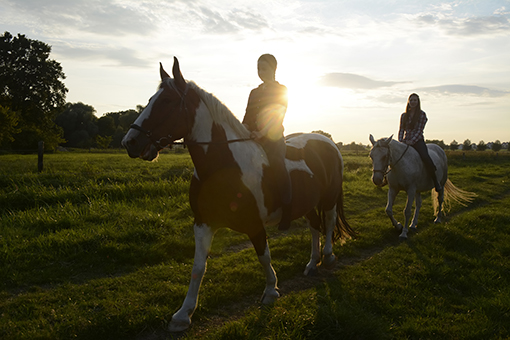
(233, 185)
(402, 167)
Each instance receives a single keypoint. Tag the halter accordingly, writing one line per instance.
(169, 140)
(385, 171)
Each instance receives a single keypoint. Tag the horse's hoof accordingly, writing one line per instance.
(269, 298)
(329, 261)
(414, 229)
(176, 326)
(399, 227)
(437, 220)
(402, 238)
(312, 272)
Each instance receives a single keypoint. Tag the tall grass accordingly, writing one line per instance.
(100, 246)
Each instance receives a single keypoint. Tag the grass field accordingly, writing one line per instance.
(100, 246)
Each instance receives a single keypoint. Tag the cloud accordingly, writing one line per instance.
(97, 17)
(472, 26)
(353, 81)
(232, 21)
(248, 20)
(463, 90)
(119, 56)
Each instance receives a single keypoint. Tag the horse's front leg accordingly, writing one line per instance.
(407, 213)
(418, 201)
(262, 248)
(315, 256)
(392, 194)
(181, 320)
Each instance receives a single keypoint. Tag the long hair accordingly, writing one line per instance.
(417, 112)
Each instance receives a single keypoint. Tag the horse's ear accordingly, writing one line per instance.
(388, 140)
(162, 72)
(372, 140)
(178, 78)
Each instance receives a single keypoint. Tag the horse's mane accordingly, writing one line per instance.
(220, 113)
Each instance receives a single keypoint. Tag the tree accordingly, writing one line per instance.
(323, 133)
(79, 124)
(31, 86)
(8, 123)
(438, 142)
(466, 146)
(481, 146)
(123, 120)
(454, 145)
(106, 126)
(496, 146)
(103, 142)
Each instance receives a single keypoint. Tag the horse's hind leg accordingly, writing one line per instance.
(440, 199)
(329, 259)
(314, 223)
(418, 201)
(262, 248)
(181, 320)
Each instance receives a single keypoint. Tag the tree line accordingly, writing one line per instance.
(33, 106)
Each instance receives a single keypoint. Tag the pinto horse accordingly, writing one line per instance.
(403, 169)
(233, 186)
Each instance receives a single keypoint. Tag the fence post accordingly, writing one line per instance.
(40, 158)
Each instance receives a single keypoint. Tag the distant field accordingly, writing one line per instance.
(100, 246)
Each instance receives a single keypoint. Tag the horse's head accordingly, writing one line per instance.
(168, 116)
(380, 155)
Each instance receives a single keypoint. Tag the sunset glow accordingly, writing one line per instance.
(349, 65)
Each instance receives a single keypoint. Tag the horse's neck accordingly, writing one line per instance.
(205, 126)
(211, 144)
(398, 151)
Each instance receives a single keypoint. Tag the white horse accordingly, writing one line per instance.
(401, 166)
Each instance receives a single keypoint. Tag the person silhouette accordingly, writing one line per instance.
(265, 111)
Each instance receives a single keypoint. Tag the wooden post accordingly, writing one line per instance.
(40, 158)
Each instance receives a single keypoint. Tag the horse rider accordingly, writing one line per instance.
(412, 123)
(267, 105)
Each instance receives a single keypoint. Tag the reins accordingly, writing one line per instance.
(168, 140)
(389, 165)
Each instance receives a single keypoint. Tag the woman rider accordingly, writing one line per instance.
(412, 123)
(264, 115)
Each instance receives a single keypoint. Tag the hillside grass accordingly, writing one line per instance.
(100, 246)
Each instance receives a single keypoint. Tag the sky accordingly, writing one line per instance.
(349, 65)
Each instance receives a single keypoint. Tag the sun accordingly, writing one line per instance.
(311, 106)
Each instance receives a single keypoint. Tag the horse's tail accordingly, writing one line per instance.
(343, 230)
(451, 193)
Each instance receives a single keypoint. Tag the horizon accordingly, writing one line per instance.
(349, 66)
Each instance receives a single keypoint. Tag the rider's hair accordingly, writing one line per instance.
(417, 111)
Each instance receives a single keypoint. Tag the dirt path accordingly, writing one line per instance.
(232, 312)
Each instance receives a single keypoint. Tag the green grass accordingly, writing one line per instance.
(100, 246)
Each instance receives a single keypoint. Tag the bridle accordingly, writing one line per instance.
(389, 165)
(169, 140)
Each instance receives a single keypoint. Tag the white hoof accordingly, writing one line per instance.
(311, 268)
(176, 326)
(329, 261)
(313, 271)
(269, 297)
